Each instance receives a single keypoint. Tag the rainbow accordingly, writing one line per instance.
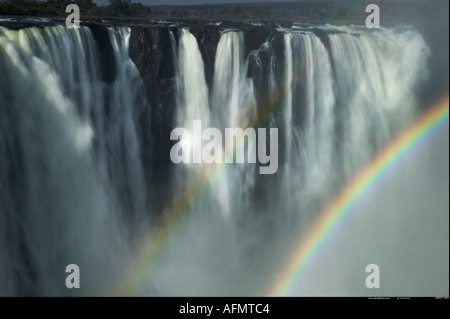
(154, 243)
(309, 244)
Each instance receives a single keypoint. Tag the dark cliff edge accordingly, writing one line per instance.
(151, 51)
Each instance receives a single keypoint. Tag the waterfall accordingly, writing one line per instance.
(192, 92)
(191, 96)
(288, 95)
(315, 130)
(233, 102)
(71, 170)
(233, 96)
(72, 174)
(379, 63)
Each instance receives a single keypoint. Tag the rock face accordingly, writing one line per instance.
(152, 50)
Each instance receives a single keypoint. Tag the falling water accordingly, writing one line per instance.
(70, 159)
(72, 187)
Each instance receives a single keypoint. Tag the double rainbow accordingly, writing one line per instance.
(157, 241)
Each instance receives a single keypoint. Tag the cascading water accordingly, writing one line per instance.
(233, 102)
(315, 169)
(72, 187)
(192, 96)
(233, 97)
(71, 171)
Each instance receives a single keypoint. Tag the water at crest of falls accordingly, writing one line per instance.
(71, 173)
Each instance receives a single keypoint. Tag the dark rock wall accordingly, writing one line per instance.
(152, 51)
